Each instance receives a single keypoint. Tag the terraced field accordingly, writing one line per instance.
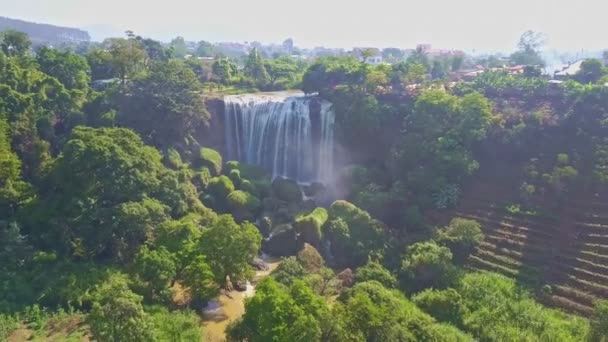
(567, 249)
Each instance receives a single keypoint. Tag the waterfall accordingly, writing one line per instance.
(290, 135)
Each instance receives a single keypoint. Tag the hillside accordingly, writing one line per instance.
(44, 33)
(560, 252)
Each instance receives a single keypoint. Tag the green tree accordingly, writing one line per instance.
(15, 43)
(224, 70)
(281, 72)
(229, 248)
(176, 326)
(426, 264)
(461, 236)
(375, 271)
(205, 49)
(128, 57)
(101, 64)
(118, 315)
(158, 269)
(592, 70)
(200, 280)
(276, 313)
(255, 69)
(165, 105)
(438, 71)
(99, 202)
(178, 44)
(13, 190)
(530, 44)
(70, 69)
(599, 323)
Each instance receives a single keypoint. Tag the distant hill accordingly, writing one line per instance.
(44, 33)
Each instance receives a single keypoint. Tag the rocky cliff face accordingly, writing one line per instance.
(213, 135)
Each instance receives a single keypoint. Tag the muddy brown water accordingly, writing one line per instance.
(230, 306)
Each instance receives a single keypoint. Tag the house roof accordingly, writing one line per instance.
(570, 70)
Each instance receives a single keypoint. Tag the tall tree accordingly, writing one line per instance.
(178, 44)
(15, 43)
(255, 69)
(205, 49)
(70, 69)
(230, 248)
(165, 105)
(530, 45)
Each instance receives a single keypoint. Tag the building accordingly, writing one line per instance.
(372, 56)
(568, 70)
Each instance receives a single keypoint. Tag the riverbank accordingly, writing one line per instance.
(230, 305)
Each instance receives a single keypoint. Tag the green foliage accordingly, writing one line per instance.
(14, 43)
(165, 104)
(310, 259)
(375, 271)
(158, 269)
(276, 313)
(229, 248)
(591, 71)
(310, 226)
(104, 173)
(211, 159)
(461, 236)
(8, 324)
(173, 159)
(200, 280)
(220, 187)
(497, 310)
(371, 312)
(289, 270)
(70, 69)
(599, 322)
(287, 190)
(255, 69)
(445, 305)
(224, 70)
(426, 264)
(355, 236)
(118, 315)
(176, 326)
(243, 205)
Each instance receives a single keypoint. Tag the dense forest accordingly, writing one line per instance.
(119, 223)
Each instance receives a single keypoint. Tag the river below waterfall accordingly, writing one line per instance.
(230, 306)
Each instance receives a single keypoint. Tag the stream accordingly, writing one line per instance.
(230, 306)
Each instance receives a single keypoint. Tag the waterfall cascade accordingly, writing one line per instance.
(290, 135)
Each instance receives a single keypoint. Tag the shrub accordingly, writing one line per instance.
(287, 190)
(310, 259)
(355, 236)
(173, 159)
(426, 264)
(599, 322)
(310, 226)
(375, 271)
(288, 271)
(211, 159)
(444, 305)
(461, 236)
(202, 178)
(177, 325)
(235, 177)
(220, 187)
(243, 205)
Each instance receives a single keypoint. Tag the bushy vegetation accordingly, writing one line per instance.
(101, 229)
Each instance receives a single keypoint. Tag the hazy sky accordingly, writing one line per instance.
(466, 24)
